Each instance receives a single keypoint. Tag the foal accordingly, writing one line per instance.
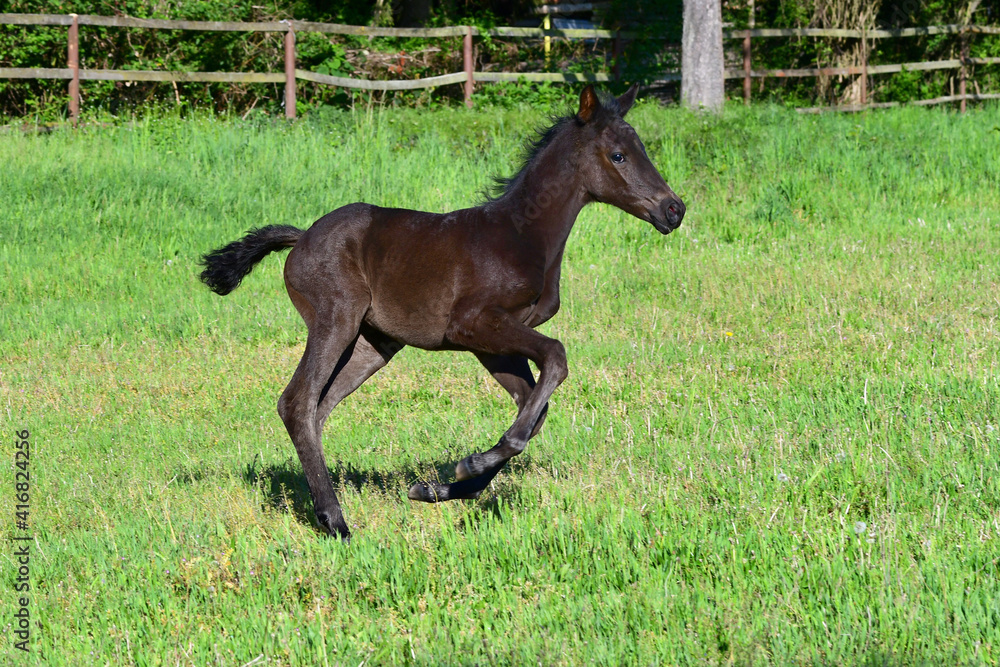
(369, 281)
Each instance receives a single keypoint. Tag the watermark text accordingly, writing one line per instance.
(22, 539)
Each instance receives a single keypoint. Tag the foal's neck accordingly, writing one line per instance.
(547, 196)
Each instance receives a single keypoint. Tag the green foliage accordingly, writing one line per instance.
(777, 443)
(544, 96)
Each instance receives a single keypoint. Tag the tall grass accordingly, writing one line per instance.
(777, 444)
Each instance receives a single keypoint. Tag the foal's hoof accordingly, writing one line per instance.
(429, 492)
(423, 492)
(333, 528)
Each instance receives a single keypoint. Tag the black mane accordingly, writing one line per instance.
(543, 136)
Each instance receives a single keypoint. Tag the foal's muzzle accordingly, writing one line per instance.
(668, 216)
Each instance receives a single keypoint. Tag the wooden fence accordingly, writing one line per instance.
(75, 74)
(468, 76)
(747, 73)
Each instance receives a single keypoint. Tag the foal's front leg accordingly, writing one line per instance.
(514, 375)
(497, 333)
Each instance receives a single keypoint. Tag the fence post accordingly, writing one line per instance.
(864, 65)
(467, 64)
(290, 72)
(547, 25)
(962, 73)
(73, 58)
(746, 69)
(746, 58)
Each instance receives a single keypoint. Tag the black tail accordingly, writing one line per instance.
(226, 267)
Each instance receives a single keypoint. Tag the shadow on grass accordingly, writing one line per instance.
(285, 487)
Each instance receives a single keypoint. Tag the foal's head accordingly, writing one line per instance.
(614, 164)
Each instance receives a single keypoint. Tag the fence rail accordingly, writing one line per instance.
(468, 76)
(154, 75)
(860, 34)
(887, 105)
(300, 26)
(736, 73)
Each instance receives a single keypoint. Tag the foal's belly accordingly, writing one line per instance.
(408, 325)
(411, 305)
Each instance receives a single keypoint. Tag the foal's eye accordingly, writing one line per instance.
(617, 158)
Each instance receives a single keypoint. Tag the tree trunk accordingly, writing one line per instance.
(414, 13)
(701, 56)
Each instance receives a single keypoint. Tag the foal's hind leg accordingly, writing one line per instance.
(497, 333)
(332, 367)
(514, 375)
(369, 352)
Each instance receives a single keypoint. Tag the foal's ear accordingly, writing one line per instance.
(627, 99)
(588, 104)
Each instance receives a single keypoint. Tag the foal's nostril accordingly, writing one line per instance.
(673, 212)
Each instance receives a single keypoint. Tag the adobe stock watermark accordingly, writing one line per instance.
(388, 348)
(22, 540)
(535, 206)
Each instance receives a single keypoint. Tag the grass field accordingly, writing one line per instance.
(778, 443)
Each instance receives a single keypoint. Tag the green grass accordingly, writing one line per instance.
(778, 443)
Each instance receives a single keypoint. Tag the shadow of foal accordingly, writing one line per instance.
(285, 488)
(369, 281)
